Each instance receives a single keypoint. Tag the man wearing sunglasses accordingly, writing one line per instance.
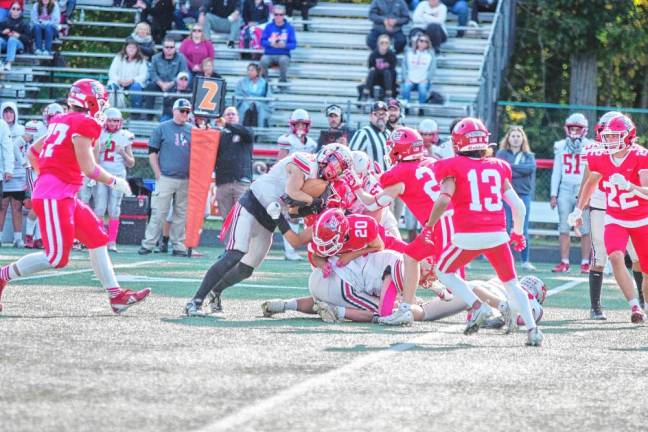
(278, 40)
(165, 67)
(169, 148)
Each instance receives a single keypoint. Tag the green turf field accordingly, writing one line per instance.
(67, 363)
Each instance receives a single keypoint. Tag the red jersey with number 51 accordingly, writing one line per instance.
(421, 187)
(622, 204)
(477, 201)
(57, 157)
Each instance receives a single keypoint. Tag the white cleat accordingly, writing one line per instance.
(271, 307)
(509, 320)
(534, 337)
(293, 256)
(477, 319)
(192, 309)
(528, 266)
(326, 312)
(400, 317)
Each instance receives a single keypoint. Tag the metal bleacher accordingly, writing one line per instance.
(327, 66)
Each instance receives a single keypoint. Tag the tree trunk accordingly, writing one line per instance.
(644, 93)
(582, 85)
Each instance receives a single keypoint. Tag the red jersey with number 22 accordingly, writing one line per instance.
(477, 201)
(421, 187)
(57, 157)
(622, 204)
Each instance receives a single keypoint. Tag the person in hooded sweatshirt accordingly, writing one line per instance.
(13, 189)
(6, 150)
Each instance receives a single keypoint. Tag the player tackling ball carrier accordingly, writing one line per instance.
(60, 157)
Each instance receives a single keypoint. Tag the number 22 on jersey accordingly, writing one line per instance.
(56, 133)
(485, 190)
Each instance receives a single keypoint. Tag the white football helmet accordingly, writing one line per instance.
(114, 120)
(535, 287)
(576, 120)
(299, 116)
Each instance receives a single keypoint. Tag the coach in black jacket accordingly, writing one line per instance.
(234, 162)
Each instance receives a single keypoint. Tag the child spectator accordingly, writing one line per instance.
(382, 69)
(45, 19)
(207, 67)
(15, 35)
(196, 48)
(128, 71)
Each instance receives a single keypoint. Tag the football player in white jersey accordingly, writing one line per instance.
(250, 227)
(114, 154)
(567, 175)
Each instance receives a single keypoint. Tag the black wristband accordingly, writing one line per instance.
(283, 226)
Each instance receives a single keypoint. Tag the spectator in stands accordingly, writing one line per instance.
(234, 161)
(221, 16)
(186, 9)
(67, 8)
(514, 148)
(302, 5)
(142, 36)
(372, 139)
(337, 131)
(255, 12)
(254, 112)
(382, 70)
(5, 5)
(418, 68)
(181, 85)
(13, 189)
(460, 8)
(15, 35)
(128, 71)
(160, 15)
(196, 48)
(388, 17)
(169, 149)
(278, 40)
(45, 18)
(165, 67)
(430, 16)
(207, 67)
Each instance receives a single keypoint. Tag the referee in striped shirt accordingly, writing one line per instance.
(372, 139)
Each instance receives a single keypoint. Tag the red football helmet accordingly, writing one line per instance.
(114, 120)
(91, 95)
(535, 287)
(299, 116)
(576, 120)
(330, 232)
(404, 144)
(618, 134)
(50, 111)
(470, 134)
(427, 275)
(600, 125)
(333, 160)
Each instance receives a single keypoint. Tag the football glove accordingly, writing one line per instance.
(121, 185)
(518, 242)
(574, 216)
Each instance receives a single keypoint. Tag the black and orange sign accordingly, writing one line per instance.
(209, 96)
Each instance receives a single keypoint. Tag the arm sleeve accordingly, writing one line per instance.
(404, 16)
(419, 15)
(527, 167)
(267, 31)
(155, 141)
(7, 148)
(358, 140)
(405, 66)
(518, 210)
(114, 69)
(291, 43)
(283, 142)
(393, 61)
(433, 66)
(33, 17)
(154, 68)
(556, 174)
(375, 14)
(55, 18)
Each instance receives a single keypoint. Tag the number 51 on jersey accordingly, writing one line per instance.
(209, 96)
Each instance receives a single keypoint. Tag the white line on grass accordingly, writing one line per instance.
(137, 278)
(263, 406)
(71, 272)
(564, 287)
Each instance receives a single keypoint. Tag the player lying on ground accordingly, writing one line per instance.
(250, 227)
(477, 185)
(352, 292)
(60, 157)
(621, 167)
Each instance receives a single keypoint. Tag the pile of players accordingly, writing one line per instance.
(362, 270)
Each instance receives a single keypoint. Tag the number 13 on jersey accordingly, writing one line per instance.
(485, 190)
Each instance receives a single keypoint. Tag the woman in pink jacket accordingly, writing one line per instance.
(196, 48)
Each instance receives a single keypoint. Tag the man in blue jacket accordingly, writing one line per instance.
(278, 40)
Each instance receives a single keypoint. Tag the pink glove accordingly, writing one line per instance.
(327, 270)
(518, 242)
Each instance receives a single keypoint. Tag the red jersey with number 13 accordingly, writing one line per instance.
(622, 204)
(421, 187)
(477, 201)
(57, 157)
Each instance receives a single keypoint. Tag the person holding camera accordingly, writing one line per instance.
(337, 131)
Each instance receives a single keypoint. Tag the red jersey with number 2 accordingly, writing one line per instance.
(421, 187)
(57, 157)
(477, 201)
(621, 204)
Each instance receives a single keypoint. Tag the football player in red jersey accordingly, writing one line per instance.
(411, 178)
(61, 157)
(477, 186)
(621, 167)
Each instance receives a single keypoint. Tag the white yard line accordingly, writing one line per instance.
(138, 278)
(71, 272)
(564, 287)
(264, 406)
